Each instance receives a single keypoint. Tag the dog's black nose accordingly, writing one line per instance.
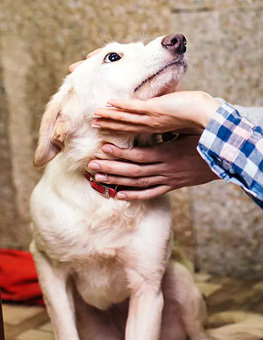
(176, 43)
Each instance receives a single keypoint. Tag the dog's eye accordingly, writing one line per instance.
(111, 57)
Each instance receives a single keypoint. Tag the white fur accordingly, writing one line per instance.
(92, 253)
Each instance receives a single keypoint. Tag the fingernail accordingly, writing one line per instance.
(101, 178)
(107, 149)
(95, 126)
(108, 105)
(121, 195)
(96, 116)
(94, 166)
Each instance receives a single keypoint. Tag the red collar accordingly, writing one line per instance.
(107, 190)
(104, 189)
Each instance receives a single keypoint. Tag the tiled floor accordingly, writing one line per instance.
(229, 300)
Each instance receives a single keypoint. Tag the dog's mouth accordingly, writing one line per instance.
(178, 61)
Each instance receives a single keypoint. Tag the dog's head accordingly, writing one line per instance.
(117, 71)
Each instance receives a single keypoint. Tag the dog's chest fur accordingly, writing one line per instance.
(93, 258)
(101, 282)
(86, 233)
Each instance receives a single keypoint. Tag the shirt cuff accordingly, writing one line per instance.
(224, 136)
(222, 146)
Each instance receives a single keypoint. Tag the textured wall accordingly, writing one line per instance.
(39, 40)
(225, 55)
(216, 224)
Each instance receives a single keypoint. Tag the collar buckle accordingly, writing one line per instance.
(107, 191)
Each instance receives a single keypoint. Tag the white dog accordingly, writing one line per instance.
(103, 264)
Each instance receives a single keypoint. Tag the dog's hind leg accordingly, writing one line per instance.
(172, 327)
(186, 304)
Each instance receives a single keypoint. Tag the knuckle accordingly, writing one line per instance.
(142, 182)
(141, 156)
(136, 171)
(138, 197)
(155, 124)
(166, 180)
(106, 168)
(121, 117)
(125, 128)
(116, 152)
(112, 180)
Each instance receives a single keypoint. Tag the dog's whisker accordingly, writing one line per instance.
(145, 36)
(106, 40)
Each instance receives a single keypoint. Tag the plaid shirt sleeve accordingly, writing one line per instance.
(233, 148)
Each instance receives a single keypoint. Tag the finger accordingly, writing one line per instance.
(91, 54)
(72, 67)
(123, 116)
(145, 194)
(122, 127)
(140, 182)
(136, 154)
(123, 169)
(135, 105)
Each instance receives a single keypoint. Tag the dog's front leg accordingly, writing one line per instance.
(60, 309)
(145, 261)
(145, 313)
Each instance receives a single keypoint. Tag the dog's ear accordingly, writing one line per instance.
(54, 128)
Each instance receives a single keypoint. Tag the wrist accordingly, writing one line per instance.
(209, 107)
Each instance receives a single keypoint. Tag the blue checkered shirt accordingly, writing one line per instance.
(233, 148)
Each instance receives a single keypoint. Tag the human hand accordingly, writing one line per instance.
(73, 66)
(178, 110)
(153, 170)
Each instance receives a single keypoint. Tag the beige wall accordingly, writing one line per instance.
(217, 224)
(226, 59)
